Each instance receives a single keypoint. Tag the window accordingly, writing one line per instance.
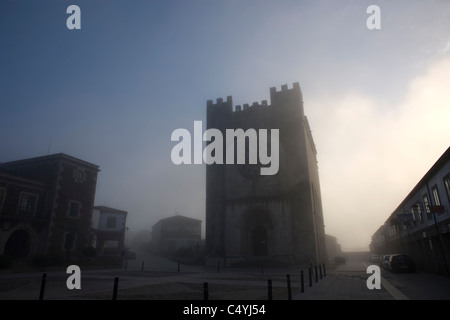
(413, 214)
(27, 204)
(435, 192)
(74, 209)
(2, 197)
(111, 222)
(112, 244)
(426, 204)
(447, 186)
(69, 241)
(419, 211)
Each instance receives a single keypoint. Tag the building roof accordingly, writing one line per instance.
(433, 170)
(56, 156)
(110, 210)
(327, 236)
(178, 218)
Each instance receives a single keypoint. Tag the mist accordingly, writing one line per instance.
(372, 153)
(113, 93)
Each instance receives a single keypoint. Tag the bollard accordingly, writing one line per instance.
(269, 289)
(302, 282)
(142, 268)
(205, 291)
(324, 272)
(320, 270)
(315, 270)
(288, 278)
(41, 293)
(310, 277)
(116, 287)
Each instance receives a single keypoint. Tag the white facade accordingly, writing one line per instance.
(108, 221)
(109, 226)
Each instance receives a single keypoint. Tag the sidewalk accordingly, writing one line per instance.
(342, 286)
(347, 282)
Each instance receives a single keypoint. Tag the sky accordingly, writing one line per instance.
(112, 92)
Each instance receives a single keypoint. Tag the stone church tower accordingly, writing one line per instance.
(270, 219)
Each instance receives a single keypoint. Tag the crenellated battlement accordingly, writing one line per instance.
(222, 107)
(246, 106)
(219, 101)
(287, 97)
(284, 88)
(228, 104)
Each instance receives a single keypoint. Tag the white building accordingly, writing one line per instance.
(174, 233)
(109, 226)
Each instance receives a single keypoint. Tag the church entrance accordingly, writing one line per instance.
(18, 244)
(259, 241)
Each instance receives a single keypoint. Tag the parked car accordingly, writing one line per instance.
(384, 261)
(401, 263)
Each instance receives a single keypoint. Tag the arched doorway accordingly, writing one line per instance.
(18, 244)
(259, 241)
(257, 232)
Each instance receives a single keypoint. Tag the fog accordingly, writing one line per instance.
(113, 92)
(371, 155)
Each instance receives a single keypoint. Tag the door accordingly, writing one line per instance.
(18, 244)
(259, 241)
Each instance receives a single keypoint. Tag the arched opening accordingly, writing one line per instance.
(18, 244)
(259, 241)
(257, 232)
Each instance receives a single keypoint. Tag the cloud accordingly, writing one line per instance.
(371, 154)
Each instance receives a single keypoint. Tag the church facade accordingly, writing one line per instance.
(265, 219)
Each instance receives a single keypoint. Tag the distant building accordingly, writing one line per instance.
(171, 234)
(420, 225)
(46, 206)
(333, 248)
(140, 239)
(253, 218)
(109, 226)
(378, 243)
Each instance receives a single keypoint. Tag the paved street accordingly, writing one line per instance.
(161, 280)
(346, 282)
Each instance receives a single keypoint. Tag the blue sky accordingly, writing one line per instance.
(113, 92)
